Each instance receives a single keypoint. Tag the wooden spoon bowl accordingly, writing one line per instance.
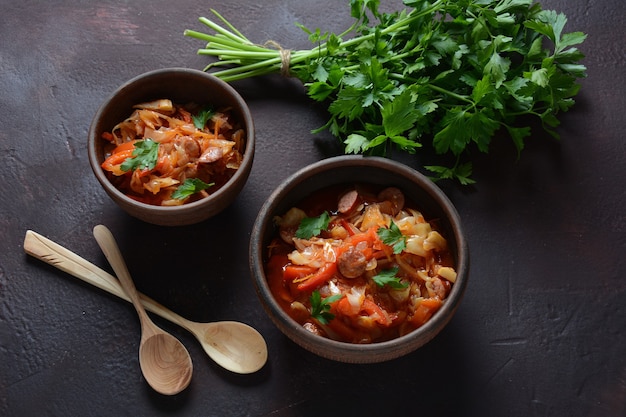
(164, 361)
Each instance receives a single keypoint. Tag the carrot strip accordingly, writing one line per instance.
(343, 331)
(119, 155)
(349, 228)
(425, 310)
(294, 272)
(368, 236)
(376, 312)
(343, 307)
(116, 159)
(113, 162)
(380, 254)
(108, 136)
(322, 275)
(130, 145)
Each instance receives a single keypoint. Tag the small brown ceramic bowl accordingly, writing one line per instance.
(181, 86)
(425, 195)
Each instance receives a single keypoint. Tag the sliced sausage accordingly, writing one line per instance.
(352, 263)
(348, 202)
(395, 198)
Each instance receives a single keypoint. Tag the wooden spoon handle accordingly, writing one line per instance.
(111, 251)
(56, 255)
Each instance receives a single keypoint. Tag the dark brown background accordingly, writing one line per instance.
(541, 331)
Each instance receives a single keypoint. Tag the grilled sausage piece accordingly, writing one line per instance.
(348, 202)
(394, 198)
(352, 263)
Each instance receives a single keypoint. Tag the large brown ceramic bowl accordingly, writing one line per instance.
(431, 201)
(182, 86)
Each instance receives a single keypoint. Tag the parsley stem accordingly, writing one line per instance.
(223, 40)
(235, 47)
(219, 29)
(401, 24)
(450, 93)
(226, 53)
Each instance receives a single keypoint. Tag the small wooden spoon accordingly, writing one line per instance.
(164, 361)
(232, 345)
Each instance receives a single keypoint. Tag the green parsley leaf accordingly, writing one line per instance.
(388, 277)
(190, 187)
(144, 156)
(200, 120)
(320, 90)
(393, 237)
(461, 172)
(356, 143)
(320, 307)
(350, 103)
(518, 134)
(313, 226)
(399, 115)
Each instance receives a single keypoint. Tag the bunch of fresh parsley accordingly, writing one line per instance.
(451, 74)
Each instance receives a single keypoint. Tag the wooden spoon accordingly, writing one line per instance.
(164, 361)
(232, 345)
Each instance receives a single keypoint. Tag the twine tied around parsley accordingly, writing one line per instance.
(285, 57)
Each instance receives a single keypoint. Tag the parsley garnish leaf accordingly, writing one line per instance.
(320, 307)
(203, 116)
(190, 187)
(313, 226)
(392, 237)
(388, 277)
(145, 156)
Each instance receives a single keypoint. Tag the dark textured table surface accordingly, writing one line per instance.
(542, 328)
